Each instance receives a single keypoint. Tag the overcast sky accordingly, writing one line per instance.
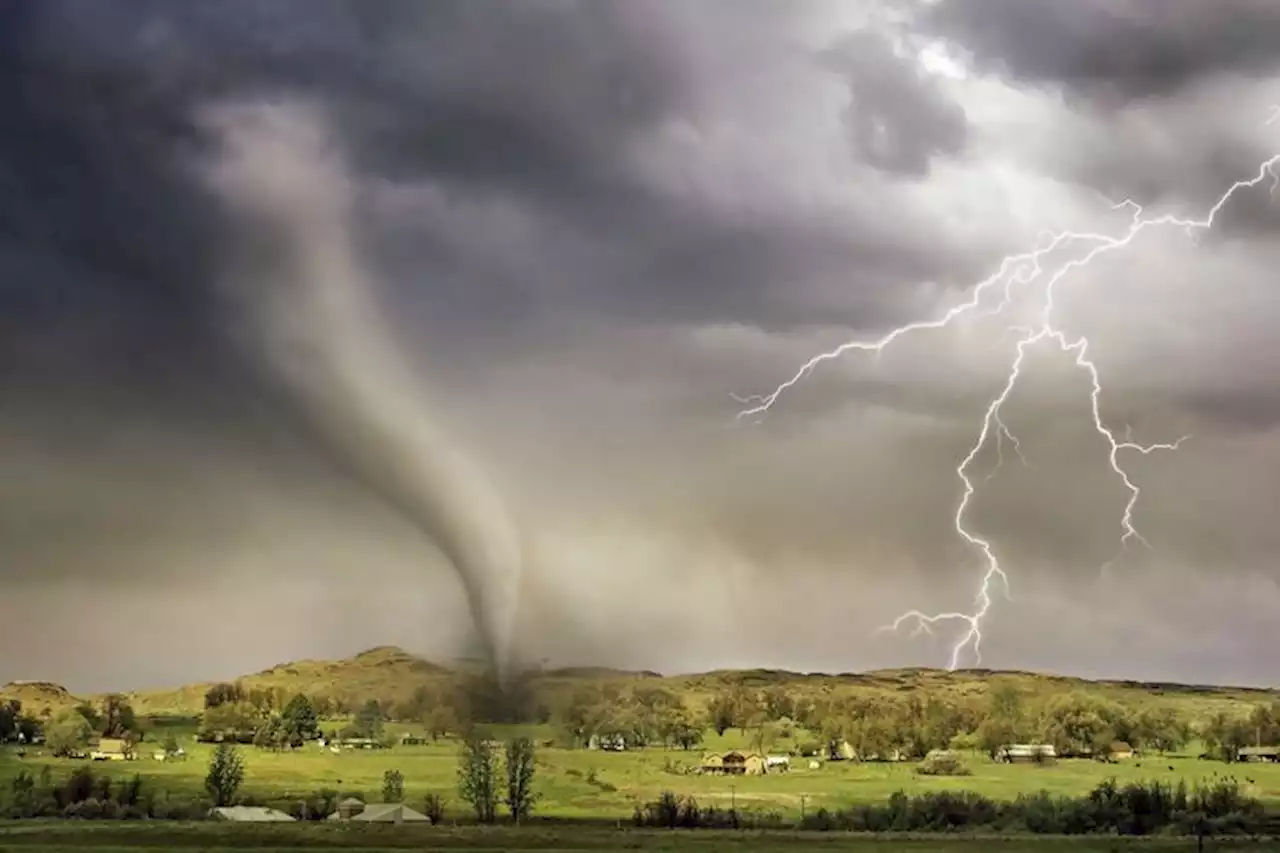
(585, 226)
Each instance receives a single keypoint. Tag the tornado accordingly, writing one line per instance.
(308, 312)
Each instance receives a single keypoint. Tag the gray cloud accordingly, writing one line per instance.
(899, 118)
(592, 223)
(1114, 50)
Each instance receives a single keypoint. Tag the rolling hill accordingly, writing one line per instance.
(392, 674)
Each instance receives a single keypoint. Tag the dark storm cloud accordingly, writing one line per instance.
(899, 118)
(1114, 50)
(592, 221)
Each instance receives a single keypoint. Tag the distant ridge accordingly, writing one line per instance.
(392, 674)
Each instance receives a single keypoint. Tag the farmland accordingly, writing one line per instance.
(587, 798)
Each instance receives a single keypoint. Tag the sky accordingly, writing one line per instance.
(340, 323)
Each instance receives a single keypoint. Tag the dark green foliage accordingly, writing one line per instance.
(520, 770)
(223, 694)
(1133, 809)
(393, 786)
(300, 720)
(478, 777)
(226, 774)
(433, 807)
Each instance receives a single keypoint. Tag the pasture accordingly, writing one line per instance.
(606, 786)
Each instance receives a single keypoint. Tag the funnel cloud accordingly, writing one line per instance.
(309, 302)
(328, 324)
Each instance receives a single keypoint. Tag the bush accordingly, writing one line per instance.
(1134, 809)
(943, 764)
(433, 808)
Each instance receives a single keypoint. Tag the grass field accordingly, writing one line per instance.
(130, 837)
(576, 783)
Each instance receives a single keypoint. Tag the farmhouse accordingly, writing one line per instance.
(249, 814)
(112, 749)
(1260, 753)
(777, 763)
(734, 764)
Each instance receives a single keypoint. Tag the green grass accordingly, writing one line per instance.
(130, 837)
(566, 790)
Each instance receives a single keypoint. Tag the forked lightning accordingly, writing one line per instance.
(1023, 270)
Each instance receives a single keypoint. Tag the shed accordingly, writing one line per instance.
(1120, 749)
(1023, 753)
(390, 813)
(249, 814)
(347, 809)
(1260, 753)
(112, 749)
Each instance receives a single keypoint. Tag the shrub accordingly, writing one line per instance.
(943, 764)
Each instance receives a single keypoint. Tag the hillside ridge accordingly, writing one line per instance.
(392, 673)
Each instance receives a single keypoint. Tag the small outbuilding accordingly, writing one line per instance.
(389, 813)
(250, 814)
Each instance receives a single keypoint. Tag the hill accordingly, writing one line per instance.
(392, 674)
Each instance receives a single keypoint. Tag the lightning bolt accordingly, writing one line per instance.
(1015, 272)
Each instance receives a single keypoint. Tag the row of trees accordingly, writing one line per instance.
(298, 721)
(480, 772)
(1076, 723)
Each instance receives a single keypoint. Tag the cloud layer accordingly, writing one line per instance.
(594, 222)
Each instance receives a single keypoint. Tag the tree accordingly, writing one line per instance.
(477, 777)
(68, 734)
(1005, 720)
(170, 747)
(723, 712)
(1079, 724)
(117, 716)
(10, 711)
(1224, 735)
(369, 720)
(90, 713)
(300, 720)
(223, 694)
(520, 769)
(1159, 727)
(226, 774)
(393, 787)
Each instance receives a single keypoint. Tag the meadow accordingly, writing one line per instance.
(586, 799)
(606, 786)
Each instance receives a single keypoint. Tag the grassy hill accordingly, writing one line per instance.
(388, 673)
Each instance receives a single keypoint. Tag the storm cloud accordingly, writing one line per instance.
(587, 224)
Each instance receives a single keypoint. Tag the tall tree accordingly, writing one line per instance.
(520, 770)
(369, 720)
(478, 777)
(226, 774)
(118, 717)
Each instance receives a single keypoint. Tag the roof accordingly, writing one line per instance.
(250, 814)
(1260, 750)
(389, 813)
(351, 801)
(111, 744)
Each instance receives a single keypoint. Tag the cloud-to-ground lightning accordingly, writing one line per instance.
(1013, 272)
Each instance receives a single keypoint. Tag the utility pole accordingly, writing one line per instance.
(803, 798)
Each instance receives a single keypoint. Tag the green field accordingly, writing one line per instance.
(129, 837)
(565, 777)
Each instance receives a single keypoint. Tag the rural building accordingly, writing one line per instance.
(112, 749)
(360, 743)
(777, 764)
(354, 810)
(1260, 753)
(1121, 749)
(1025, 753)
(735, 764)
(412, 740)
(249, 814)
(347, 809)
